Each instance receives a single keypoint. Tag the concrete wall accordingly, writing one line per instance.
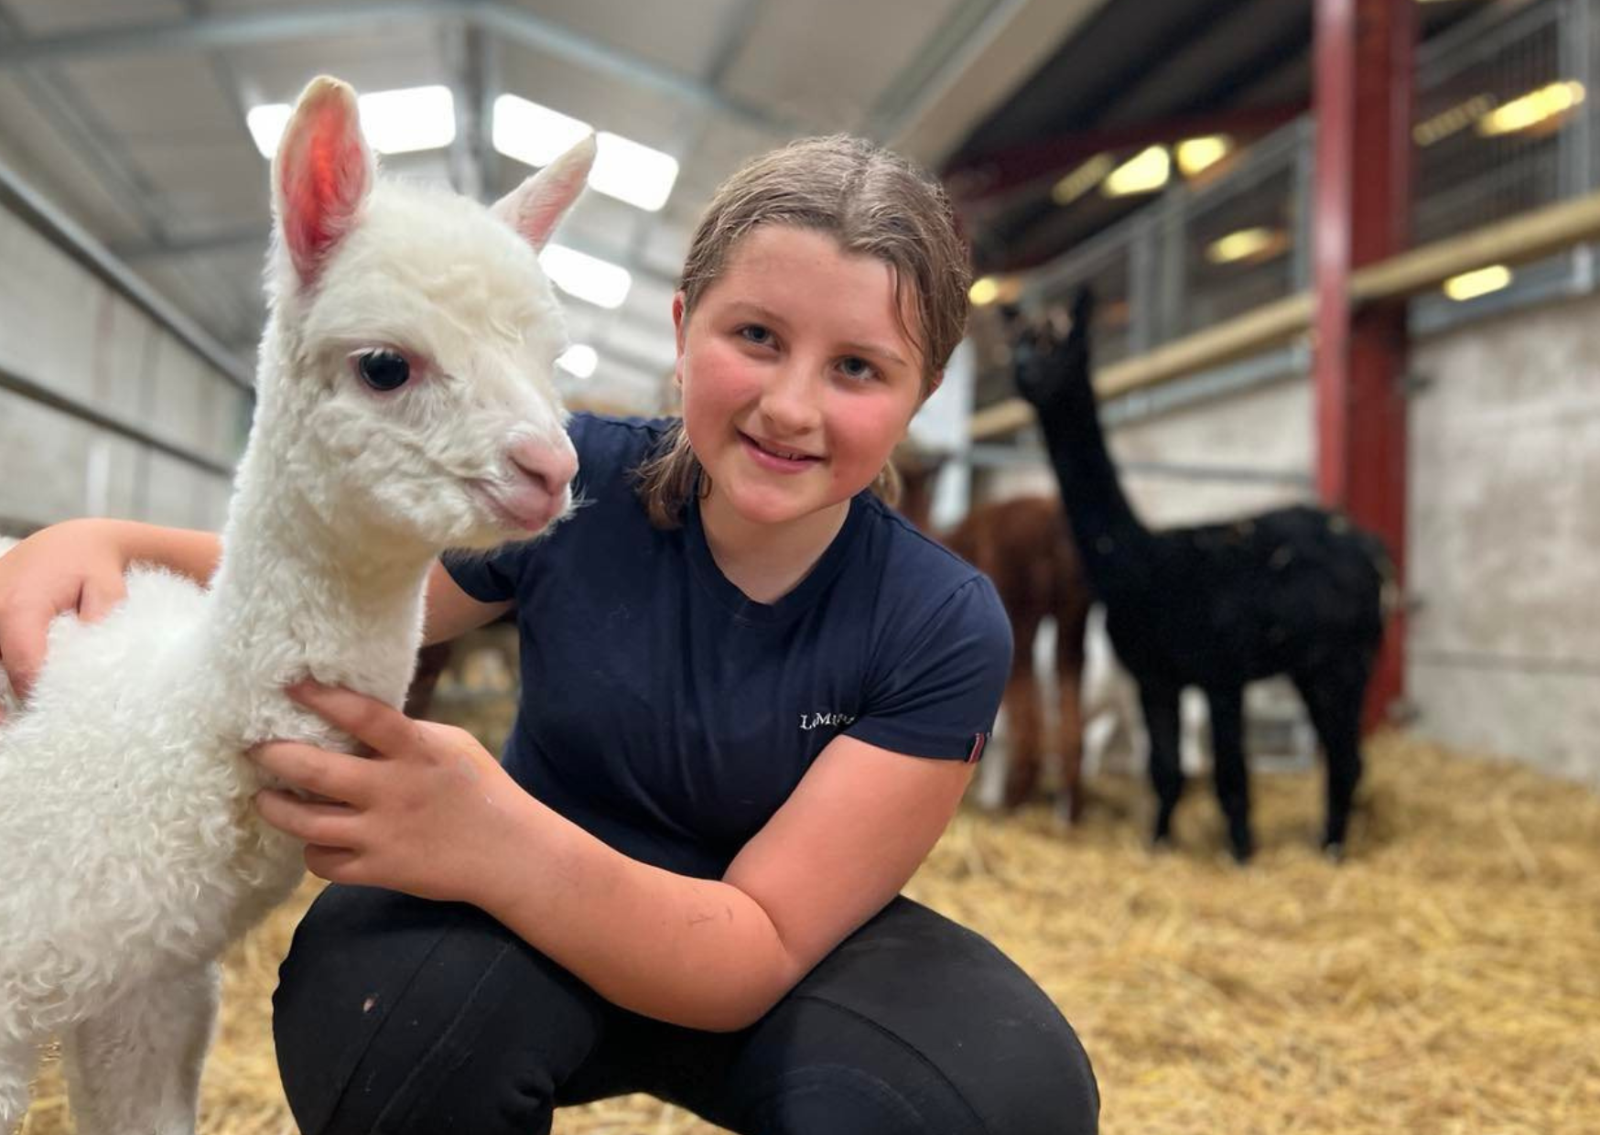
(1505, 537)
(65, 329)
(1242, 453)
(1504, 540)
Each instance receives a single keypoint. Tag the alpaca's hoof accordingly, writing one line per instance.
(1242, 853)
(1069, 810)
(1334, 850)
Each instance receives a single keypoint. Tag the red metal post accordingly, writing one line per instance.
(1364, 65)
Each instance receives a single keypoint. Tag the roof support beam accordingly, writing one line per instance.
(254, 238)
(997, 174)
(237, 29)
(1364, 63)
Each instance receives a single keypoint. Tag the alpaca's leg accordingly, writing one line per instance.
(1228, 766)
(1160, 704)
(1069, 728)
(136, 1067)
(1024, 719)
(1334, 702)
(18, 1059)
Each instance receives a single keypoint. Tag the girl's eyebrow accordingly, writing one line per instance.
(755, 310)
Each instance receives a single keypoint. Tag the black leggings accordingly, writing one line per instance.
(402, 1016)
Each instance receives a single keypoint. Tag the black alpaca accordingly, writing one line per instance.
(1296, 591)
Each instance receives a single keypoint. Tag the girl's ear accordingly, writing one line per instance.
(322, 174)
(678, 322)
(679, 325)
(535, 207)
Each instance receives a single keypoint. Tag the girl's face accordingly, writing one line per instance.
(797, 378)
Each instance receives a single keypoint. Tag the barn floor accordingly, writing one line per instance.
(1445, 979)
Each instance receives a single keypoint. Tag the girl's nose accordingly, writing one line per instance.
(791, 399)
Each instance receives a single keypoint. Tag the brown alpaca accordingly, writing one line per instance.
(1024, 547)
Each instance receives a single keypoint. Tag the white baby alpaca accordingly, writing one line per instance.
(404, 406)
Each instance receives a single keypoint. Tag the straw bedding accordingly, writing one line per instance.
(1445, 979)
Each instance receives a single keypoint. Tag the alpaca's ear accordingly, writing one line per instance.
(538, 204)
(321, 175)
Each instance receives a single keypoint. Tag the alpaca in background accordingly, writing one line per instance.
(405, 405)
(1023, 546)
(1296, 591)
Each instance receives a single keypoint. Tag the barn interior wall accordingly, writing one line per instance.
(1505, 535)
(1504, 648)
(63, 328)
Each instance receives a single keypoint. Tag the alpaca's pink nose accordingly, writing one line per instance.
(552, 466)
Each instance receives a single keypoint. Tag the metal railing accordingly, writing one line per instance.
(1504, 124)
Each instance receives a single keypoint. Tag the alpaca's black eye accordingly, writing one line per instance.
(384, 370)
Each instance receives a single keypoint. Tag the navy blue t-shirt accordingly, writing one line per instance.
(670, 715)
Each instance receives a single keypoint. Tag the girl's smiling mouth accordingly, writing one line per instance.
(779, 458)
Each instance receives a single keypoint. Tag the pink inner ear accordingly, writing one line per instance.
(324, 178)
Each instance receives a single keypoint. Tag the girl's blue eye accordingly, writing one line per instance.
(755, 333)
(857, 367)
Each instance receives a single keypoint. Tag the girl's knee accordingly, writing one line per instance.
(398, 1014)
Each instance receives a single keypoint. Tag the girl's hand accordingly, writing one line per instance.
(430, 812)
(73, 566)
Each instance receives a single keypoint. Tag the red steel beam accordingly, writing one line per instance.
(1364, 59)
(1001, 171)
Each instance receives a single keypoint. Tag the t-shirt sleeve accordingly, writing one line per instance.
(497, 575)
(938, 693)
(489, 577)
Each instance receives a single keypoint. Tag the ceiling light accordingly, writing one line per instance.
(585, 277)
(578, 360)
(398, 122)
(1531, 108)
(394, 122)
(267, 124)
(1470, 285)
(623, 168)
(1090, 174)
(1145, 172)
(1246, 244)
(1198, 154)
(983, 291)
(533, 134)
(634, 173)
(1452, 121)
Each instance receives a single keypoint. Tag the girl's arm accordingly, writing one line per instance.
(78, 565)
(433, 814)
(719, 954)
(451, 611)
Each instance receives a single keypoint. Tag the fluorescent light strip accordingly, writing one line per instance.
(586, 277)
(1242, 245)
(623, 168)
(1145, 172)
(1195, 155)
(394, 122)
(1075, 184)
(1471, 285)
(535, 135)
(579, 360)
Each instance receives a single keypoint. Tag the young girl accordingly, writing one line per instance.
(751, 700)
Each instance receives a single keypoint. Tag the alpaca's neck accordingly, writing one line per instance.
(297, 595)
(1111, 540)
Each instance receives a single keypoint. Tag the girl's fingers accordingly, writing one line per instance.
(22, 647)
(335, 864)
(384, 729)
(334, 776)
(98, 598)
(326, 825)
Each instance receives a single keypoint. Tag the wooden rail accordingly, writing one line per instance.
(1519, 240)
